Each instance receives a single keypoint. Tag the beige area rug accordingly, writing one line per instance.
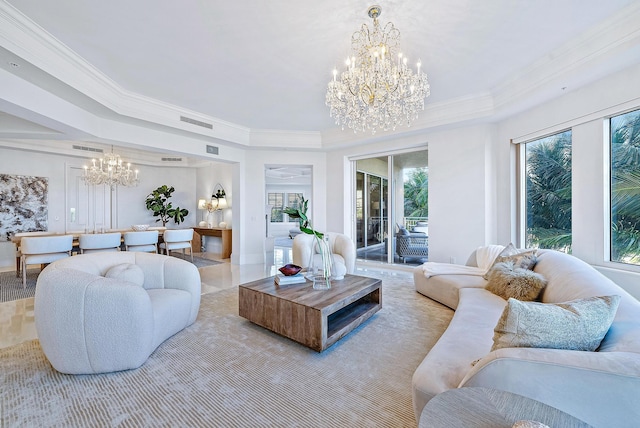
(224, 371)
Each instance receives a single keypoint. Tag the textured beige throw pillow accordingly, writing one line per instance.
(579, 325)
(507, 281)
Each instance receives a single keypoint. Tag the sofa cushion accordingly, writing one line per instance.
(403, 231)
(127, 272)
(445, 288)
(525, 259)
(467, 338)
(578, 325)
(508, 281)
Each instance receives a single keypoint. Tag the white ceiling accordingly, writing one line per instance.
(265, 65)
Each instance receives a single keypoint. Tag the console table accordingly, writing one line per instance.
(225, 234)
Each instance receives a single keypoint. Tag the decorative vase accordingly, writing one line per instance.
(321, 267)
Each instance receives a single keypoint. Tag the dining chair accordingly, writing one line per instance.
(19, 253)
(39, 250)
(96, 242)
(175, 239)
(146, 241)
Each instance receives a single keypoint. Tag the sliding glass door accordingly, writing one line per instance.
(391, 195)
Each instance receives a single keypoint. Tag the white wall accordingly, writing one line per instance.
(459, 193)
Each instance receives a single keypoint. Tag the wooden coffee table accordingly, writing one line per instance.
(314, 318)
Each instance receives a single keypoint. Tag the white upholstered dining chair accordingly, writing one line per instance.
(38, 250)
(176, 239)
(96, 242)
(146, 241)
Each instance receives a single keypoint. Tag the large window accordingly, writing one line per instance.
(548, 192)
(277, 202)
(625, 188)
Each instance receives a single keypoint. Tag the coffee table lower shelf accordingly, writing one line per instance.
(314, 318)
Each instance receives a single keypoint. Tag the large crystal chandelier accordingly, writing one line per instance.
(111, 171)
(377, 90)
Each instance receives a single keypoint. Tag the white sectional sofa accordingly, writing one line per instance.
(105, 312)
(601, 388)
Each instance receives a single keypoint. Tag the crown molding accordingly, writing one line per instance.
(24, 38)
(596, 45)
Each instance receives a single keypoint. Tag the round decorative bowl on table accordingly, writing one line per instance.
(290, 269)
(140, 227)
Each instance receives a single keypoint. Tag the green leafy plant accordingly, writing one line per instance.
(300, 213)
(158, 202)
(322, 245)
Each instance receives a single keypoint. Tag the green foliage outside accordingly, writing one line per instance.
(549, 192)
(416, 193)
(625, 188)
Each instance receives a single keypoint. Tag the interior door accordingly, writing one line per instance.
(87, 207)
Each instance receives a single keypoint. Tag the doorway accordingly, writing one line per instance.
(285, 186)
(391, 196)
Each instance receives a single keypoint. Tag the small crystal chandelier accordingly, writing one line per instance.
(110, 171)
(377, 90)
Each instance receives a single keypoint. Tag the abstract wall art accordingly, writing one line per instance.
(23, 204)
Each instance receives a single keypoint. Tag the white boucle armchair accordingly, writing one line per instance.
(105, 312)
(342, 248)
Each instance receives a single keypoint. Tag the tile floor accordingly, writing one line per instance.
(17, 317)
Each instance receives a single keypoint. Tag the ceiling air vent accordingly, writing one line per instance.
(87, 149)
(196, 122)
(171, 159)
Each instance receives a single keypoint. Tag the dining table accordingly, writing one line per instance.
(17, 238)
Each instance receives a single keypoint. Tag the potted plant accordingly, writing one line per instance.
(321, 276)
(158, 202)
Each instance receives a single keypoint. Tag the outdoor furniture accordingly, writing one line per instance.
(141, 241)
(38, 250)
(411, 244)
(177, 239)
(97, 242)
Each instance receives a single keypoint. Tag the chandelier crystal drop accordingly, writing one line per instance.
(111, 171)
(378, 90)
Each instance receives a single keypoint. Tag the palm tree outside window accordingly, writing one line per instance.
(548, 192)
(625, 187)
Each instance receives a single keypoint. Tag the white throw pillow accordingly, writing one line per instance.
(127, 272)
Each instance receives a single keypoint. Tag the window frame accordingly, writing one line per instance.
(608, 229)
(521, 181)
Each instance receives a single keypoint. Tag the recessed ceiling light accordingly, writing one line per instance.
(13, 64)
